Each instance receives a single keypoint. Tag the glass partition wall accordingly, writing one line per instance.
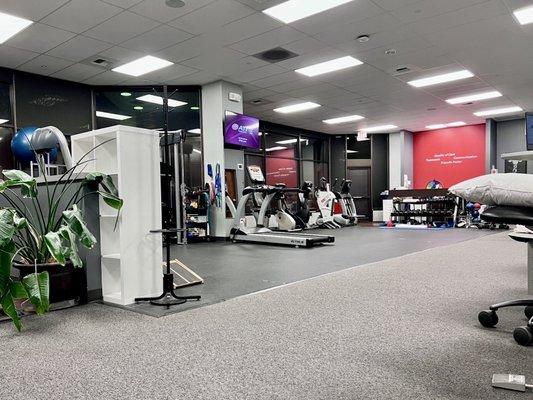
(142, 107)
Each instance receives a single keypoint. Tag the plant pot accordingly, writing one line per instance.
(66, 282)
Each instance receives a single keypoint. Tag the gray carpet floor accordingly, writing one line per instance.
(404, 328)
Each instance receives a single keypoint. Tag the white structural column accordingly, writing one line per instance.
(215, 102)
(400, 158)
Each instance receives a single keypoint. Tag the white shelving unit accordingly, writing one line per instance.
(131, 256)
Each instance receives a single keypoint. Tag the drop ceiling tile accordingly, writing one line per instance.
(190, 48)
(157, 39)
(430, 8)
(245, 28)
(11, 57)
(80, 15)
(267, 82)
(123, 3)
(268, 40)
(223, 61)
(77, 72)
(258, 73)
(159, 11)
(119, 55)
(121, 27)
(79, 48)
(44, 65)
(212, 16)
(33, 10)
(198, 78)
(394, 4)
(39, 38)
(105, 78)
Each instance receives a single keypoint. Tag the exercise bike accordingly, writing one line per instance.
(304, 217)
(348, 215)
(326, 202)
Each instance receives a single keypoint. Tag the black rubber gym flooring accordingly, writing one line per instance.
(235, 269)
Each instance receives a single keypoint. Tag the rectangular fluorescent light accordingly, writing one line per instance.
(474, 97)
(276, 148)
(449, 125)
(150, 98)
(197, 151)
(329, 66)
(297, 107)
(380, 128)
(342, 120)
(437, 79)
(118, 117)
(196, 130)
(293, 10)
(3, 121)
(456, 123)
(11, 25)
(142, 66)
(498, 111)
(351, 151)
(524, 15)
(288, 141)
(436, 126)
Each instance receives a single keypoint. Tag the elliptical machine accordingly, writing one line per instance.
(305, 219)
(347, 204)
(326, 202)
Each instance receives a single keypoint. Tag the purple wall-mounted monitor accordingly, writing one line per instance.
(242, 130)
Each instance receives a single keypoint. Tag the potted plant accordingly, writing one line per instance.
(41, 229)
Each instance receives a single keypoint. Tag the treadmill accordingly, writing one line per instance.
(261, 234)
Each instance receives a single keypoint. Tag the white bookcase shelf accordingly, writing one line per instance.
(131, 257)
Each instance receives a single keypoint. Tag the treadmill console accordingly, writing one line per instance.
(256, 175)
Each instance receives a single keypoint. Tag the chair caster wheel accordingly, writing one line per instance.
(523, 335)
(529, 312)
(488, 318)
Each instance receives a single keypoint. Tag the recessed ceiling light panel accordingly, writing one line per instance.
(118, 117)
(330, 66)
(342, 120)
(443, 78)
(3, 121)
(498, 111)
(379, 128)
(11, 25)
(142, 66)
(293, 10)
(288, 141)
(297, 107)
(524, 15)
(456, 123)
(474, 97)
(436, 126)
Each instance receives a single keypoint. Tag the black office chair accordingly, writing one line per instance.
(511, 215)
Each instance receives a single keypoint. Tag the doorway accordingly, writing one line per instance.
(230, 175)
(361, 178)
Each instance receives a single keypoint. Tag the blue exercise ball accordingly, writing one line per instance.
(470, 206)
(21, 148)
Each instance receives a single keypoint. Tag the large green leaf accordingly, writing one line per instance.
(54, 245)
(28, 185)
(105, 181)
(9, 309)
(38, 287)
(71, 247)
(111, 200)
(17, 289)
(74, 220)
(7, 226)
(7, 252)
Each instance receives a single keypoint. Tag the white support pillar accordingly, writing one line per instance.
(400, 158)
(215, 102)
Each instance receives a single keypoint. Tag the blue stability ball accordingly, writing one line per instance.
(20, 146)
(470, 206)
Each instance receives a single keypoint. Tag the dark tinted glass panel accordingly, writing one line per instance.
(281, 145)
(6, 157)
(358, 150)
(5, 104)
(43, 101)
(314, 149)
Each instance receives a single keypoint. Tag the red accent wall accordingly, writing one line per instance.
(282, 170)
(449, 155)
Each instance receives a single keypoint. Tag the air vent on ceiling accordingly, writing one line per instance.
(404, 69)
(275, 55)
(258, 102)
(101, 62)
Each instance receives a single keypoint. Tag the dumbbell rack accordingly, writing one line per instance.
(424, 211)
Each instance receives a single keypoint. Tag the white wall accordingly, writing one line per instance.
(215, 102)
(400, 158)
